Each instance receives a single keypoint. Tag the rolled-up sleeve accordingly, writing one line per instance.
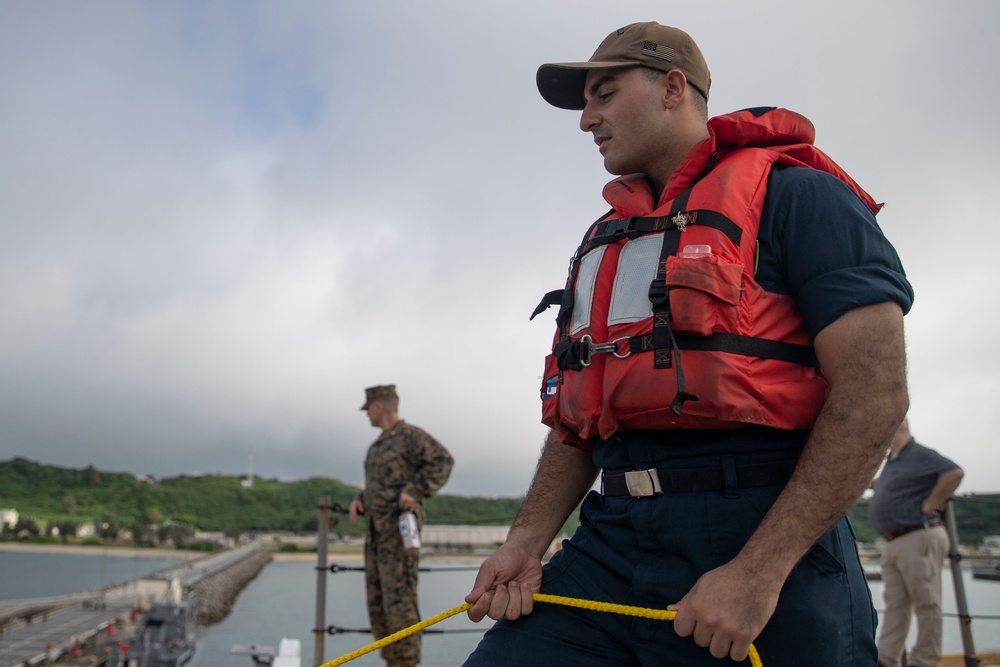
(828, 250)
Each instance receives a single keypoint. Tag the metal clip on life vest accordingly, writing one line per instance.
(591, 348)
(573, 355)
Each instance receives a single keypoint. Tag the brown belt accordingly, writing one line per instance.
(655, 481)
(899, 532)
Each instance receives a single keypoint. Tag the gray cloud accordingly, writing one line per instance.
(219, 223)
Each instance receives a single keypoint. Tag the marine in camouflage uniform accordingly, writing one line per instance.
(403, 467)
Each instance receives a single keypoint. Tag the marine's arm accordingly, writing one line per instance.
(947, 483)
(863, 358)
(355, 509)
(433, 468)
(508, 578)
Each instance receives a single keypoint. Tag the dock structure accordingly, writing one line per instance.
(41, 630)
(469, 539)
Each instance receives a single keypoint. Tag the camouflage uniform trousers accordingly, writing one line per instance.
(391, 580)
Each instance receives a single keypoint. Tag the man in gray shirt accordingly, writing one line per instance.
(907, 511)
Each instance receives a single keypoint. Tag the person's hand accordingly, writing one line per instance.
(930, 508)
(505, 584)
(354, 509)
(726, 609)
(406, 501)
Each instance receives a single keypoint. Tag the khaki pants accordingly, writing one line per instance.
(911, 578)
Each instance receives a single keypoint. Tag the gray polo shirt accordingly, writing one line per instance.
(902, 487)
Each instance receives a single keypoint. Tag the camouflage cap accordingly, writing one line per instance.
(377, 392)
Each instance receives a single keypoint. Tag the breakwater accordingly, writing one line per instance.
(213, 596)
(78, 626)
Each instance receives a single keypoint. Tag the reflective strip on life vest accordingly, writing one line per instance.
(583, 297)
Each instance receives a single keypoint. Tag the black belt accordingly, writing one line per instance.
(899, 532)
(654, 481)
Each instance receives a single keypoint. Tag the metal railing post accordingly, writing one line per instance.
(964, 619)
(322, 540)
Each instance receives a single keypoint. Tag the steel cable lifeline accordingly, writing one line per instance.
(645, 612)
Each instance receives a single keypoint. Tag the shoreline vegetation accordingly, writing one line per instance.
(43, 500)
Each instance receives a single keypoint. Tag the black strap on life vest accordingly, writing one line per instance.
(748, 346)
(564, 297)
(612, 231)
(605, 232)
(550, 299)
(666, 346)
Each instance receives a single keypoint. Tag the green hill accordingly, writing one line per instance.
(55, 496)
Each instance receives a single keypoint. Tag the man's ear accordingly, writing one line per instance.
(674, 85)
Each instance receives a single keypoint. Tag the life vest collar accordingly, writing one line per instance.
(759, 127)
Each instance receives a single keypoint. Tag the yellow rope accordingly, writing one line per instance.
(396, 636)
(644, 612)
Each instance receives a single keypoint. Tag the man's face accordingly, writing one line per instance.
(374, 411)
(625, 113)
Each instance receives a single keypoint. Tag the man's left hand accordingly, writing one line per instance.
(406, 501)
(726, 609)
(930, 507)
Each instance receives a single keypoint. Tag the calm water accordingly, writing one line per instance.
(33, 575)
(983, 599)
(281, 602)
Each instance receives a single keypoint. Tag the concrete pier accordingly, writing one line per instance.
(44, 631)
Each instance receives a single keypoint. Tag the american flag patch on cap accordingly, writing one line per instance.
(658, 51)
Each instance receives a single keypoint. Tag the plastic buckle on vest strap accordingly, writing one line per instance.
(657, 293)
(567, 353)
(621, 228)
(630, 231)
(643, 483)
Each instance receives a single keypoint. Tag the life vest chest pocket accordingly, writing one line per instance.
(704, 294)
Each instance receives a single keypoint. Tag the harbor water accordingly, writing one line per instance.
(257, 616)
(280, 602)
(28, 574)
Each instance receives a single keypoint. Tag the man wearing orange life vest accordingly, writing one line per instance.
(729, 358)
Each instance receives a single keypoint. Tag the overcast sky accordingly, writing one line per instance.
(220, 221)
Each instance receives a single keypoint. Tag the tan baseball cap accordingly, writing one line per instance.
(649, 44)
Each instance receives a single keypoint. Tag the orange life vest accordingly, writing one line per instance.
(662, 324)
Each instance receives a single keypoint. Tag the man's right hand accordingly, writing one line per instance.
(354, 509)
(509, 578)
(505, 585)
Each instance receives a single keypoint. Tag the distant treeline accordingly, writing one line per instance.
(47, 496)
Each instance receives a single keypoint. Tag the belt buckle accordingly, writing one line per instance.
(643, 483)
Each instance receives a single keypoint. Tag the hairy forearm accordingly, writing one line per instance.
(836, 466)
(867, 401)
(563, 476)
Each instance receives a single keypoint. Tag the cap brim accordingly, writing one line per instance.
(561, 84)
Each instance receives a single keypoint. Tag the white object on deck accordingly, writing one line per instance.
(289, 653)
